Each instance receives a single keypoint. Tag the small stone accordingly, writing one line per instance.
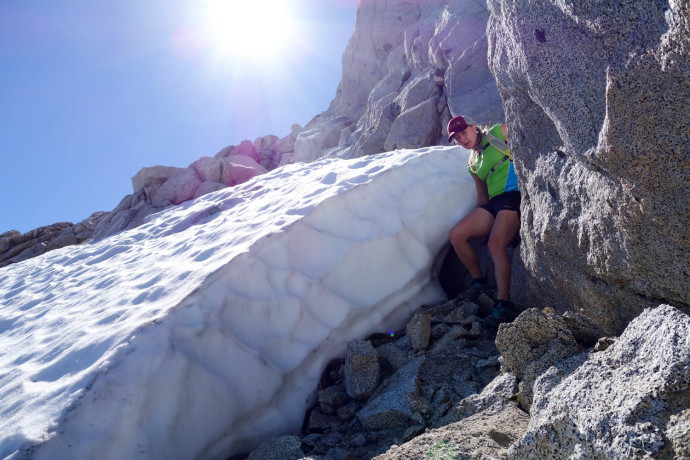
(603, 343)
(458, 315)
(485, 303)
(438, 331)
(470, 320)
(358, 440)
(348, 411)
(322, 423)
(391, 358)
(282, 448)
(419, 331)
(361, 369)
(413, 432)
(476, 329)
(333, 397)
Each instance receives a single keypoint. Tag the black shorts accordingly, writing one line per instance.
(508, 201)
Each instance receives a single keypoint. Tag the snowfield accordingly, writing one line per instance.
(206, 329)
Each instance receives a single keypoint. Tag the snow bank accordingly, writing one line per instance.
(206, 329)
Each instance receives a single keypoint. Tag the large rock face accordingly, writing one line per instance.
(597, 98)
(408, 67)
(630, 401)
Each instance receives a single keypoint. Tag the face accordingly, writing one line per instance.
(467, 138)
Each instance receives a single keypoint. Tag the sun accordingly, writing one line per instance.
(254, 30)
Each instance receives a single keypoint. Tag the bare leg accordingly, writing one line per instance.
(475, 224)
(504, 230)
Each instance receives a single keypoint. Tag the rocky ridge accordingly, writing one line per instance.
(15, 246)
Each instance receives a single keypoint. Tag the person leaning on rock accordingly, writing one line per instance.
(497, 214)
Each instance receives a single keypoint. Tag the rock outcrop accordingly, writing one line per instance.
(597, 99)
(631, 401)
(16, 246)
(407, 69)
(158, 187)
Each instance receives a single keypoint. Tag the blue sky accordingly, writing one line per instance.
(92, 91)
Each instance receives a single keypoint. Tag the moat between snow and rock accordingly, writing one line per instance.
(446, 387)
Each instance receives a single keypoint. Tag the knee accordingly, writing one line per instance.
(496, 247)
(456, 235)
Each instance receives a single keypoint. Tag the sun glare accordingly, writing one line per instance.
(257, 30)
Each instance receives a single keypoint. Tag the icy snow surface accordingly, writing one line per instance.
(206, 329)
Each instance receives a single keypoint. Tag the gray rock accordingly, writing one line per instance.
(476, 329)
(493, 398)
(585, 331)
(129, 213)
(66, 238)
(604, 343)
(486, 305)
(603, 221)
(406, 68)
(439, 331)
(462, 312)
(531, 344)
(453, 338)
(320, 422)
(414, 127)
(361, 370)
(630, 401)
(282, 448)
(16, 247)
(419, 331)
(331, 398)
(391, 406)
(348, 411)
(485, 435)
(390, 355)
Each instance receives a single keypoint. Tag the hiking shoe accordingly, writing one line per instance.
(504, 312)
(473, 292)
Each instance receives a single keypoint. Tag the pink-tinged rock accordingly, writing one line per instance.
(208, 169)
(152, 175)
(208, 187)
(246, 149)
(178, 188)
(225, 152)
(239, 169)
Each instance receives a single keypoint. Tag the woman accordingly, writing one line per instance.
(497, 215)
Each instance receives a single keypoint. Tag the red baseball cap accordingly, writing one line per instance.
(457, 125)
